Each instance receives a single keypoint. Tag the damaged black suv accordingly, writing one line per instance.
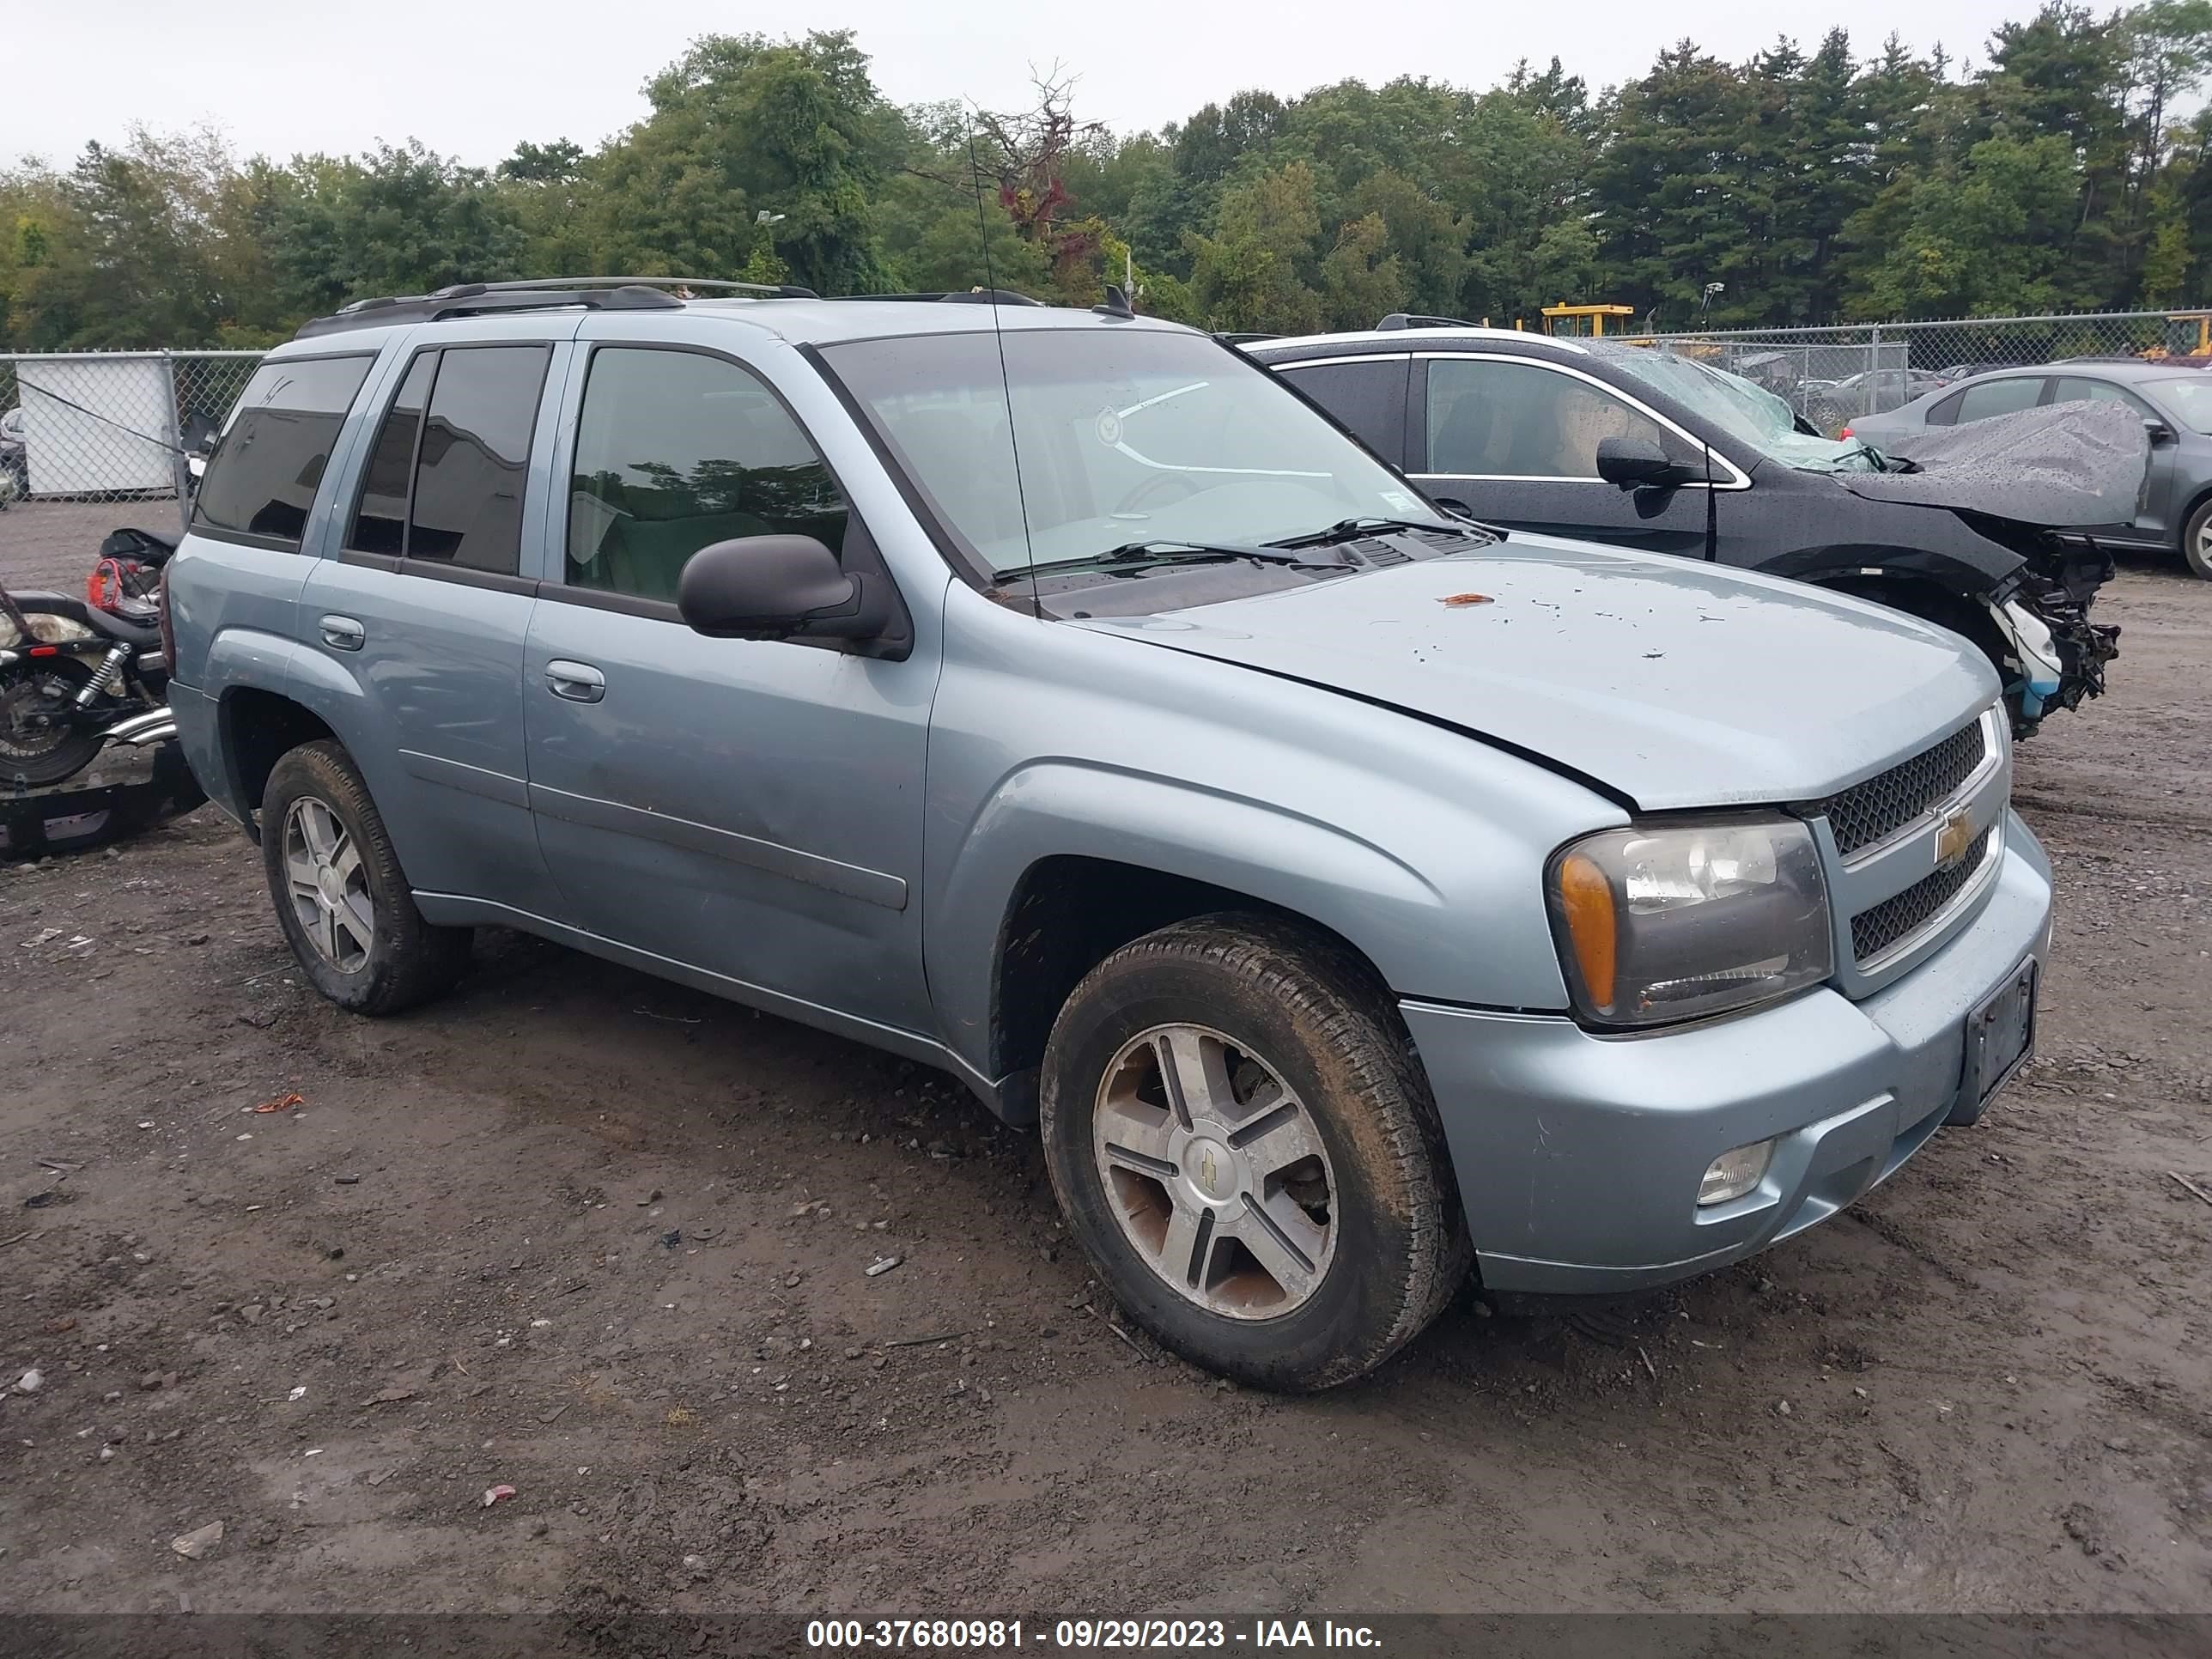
(1989, 533)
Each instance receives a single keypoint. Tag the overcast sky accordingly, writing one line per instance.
(472, 79)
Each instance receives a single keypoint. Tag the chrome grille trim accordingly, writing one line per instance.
(1883, 932)
(1870, 817)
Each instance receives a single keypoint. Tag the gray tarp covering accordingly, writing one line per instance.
(2067, 464)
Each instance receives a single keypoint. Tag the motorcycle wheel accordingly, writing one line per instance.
(42, 742)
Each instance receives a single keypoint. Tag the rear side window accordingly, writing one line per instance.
(1369, 397)
(474, 457)
(675, 451)
(1508, 420)
(1987, 398)
(261, 481)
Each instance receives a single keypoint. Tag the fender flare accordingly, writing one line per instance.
(1383, 905)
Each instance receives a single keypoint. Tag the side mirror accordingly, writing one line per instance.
(778, 588)
(2158, 431)
(1640, 463)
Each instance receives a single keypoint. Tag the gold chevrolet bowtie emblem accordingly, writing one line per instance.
(1955, 837)
(1205, 1169)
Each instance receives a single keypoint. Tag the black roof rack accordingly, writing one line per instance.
(536, 294)
(1410, 320)
(972, 296)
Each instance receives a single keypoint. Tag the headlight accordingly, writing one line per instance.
(1669, 922)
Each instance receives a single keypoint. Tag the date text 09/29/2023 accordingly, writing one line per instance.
(994, 1635)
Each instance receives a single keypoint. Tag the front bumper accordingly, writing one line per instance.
(1578, 1156)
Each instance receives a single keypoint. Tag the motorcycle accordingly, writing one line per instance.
(77, 676)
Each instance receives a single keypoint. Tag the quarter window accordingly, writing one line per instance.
(1523, 421)
(262, 479)
(675, 451)
(379, 524)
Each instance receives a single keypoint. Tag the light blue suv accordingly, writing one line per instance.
(1351, 893)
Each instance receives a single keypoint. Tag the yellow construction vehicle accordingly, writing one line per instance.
(1583, 321)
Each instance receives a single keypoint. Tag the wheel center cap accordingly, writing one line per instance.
(1210, 1166)
(333, 888)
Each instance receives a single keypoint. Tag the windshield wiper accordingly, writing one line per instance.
(1141, 555)
(1351, 530)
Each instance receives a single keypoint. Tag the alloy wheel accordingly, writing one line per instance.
(328, 885)
(1216, 1171)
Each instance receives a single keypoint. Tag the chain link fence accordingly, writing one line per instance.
(1833, 376)
(112, 426)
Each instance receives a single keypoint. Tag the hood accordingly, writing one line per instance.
(1671, 684)
(2067, 464)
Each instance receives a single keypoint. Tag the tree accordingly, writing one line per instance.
(1250, 275)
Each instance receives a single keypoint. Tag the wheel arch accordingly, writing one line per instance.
(1069, 912)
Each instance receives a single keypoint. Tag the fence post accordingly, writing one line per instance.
(1873, 352)
(178, 466)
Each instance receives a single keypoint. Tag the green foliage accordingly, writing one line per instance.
(1813, 184)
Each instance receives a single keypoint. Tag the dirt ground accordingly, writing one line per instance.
(604, 1241)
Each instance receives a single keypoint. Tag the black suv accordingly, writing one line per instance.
(1651, 449)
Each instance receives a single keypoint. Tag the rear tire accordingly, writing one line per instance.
(2197, 544)
(41, 741)
(341, 897)
(1297, 1119)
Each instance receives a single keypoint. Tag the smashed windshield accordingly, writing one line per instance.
(1749, 412)
(2188, 397)
(1124, 435)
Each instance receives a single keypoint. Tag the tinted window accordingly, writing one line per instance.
(1369, 397)
(675, 450)
(1987, 398)
(262, 478)
(467, 505)
(1521, 421)
(380, 522)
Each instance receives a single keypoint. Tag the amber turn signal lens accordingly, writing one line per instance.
(1586, 897)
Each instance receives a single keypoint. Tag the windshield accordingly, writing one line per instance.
(2189, 397)
(1748, 412)
(1124, 435)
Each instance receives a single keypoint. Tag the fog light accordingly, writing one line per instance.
(1732, 1175)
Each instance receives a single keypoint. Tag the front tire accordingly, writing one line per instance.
(1246, 1147)
(2197, 542)
(341, 897)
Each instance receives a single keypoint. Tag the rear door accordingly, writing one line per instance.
(426, 606)
(1516, 441)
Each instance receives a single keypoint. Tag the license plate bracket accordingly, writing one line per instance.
(2000, 1039)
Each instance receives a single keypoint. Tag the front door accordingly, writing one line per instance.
(2154, 520)
(752, 808)
(1516, 443)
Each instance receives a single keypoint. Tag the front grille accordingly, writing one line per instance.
(1863, 814)
(1874, 931)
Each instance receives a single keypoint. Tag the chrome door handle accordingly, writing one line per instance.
(343, 633)
(579, 681)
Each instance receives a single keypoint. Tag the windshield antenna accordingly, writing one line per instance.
(1005, 380)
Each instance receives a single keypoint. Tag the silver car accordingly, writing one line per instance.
(1350, 895)
(2172, 396)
